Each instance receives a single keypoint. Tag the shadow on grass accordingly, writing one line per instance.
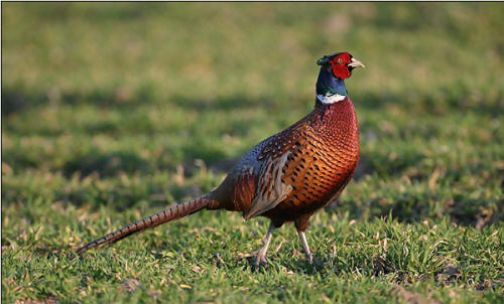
(107, 164)
(115, 163)
(411, 208)
(441, 102)
(381, 165)
(223, 103)
(19, 99)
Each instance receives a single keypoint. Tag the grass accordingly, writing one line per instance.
(112, 111)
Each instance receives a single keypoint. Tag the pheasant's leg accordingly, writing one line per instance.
(261, 254)
(302, 224)
(306, 248)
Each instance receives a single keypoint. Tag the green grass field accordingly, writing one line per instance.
(113, 111)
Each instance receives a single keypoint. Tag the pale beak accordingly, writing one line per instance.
(354, 63)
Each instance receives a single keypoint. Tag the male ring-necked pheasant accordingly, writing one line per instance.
(288, 176)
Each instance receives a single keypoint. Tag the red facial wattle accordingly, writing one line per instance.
(339, 66)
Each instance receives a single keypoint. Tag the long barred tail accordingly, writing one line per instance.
(171, 213)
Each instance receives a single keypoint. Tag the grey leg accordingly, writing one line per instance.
(306, 248)
(261, 254)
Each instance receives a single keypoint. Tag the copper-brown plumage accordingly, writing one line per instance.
(321, 150)
(290, 175)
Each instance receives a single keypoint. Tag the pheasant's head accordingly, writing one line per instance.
(340, 64)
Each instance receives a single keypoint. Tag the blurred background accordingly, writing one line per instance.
(111, 111)
(122, 105)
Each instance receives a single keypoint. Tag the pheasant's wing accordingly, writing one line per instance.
(283, 168)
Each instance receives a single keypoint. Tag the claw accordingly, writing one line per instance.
(261, 261)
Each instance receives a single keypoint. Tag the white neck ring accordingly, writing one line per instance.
(330, 99)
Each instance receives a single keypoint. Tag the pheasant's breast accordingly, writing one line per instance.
(324, 159)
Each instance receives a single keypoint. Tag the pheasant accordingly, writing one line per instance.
(288, 176)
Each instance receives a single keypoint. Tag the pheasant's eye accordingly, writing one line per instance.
(339, 61)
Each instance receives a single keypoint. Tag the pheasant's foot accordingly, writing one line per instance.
(260, 256)
(260, 259)
(309, 258)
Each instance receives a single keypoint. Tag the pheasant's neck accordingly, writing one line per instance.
(329, 88)
(334, 114)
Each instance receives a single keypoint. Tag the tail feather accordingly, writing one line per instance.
(171, 213)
